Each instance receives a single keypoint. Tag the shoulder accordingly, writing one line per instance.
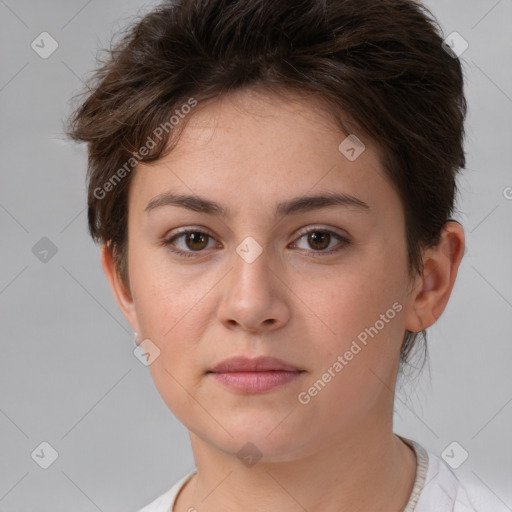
(165, 502)
(443, 491)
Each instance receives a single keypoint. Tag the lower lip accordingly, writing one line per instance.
(255, 382)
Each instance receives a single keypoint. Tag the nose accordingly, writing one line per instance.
(254, 296)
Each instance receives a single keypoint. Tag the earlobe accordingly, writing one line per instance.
(433, 289)
(119, 289)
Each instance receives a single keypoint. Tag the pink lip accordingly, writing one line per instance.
(259, 364)
(254, 375)
(255, 382)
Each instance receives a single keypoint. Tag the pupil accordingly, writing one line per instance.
(316, 236)
(194, 238)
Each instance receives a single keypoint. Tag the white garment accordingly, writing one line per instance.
(436, 489)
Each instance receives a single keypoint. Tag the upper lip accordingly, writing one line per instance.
(258, 364)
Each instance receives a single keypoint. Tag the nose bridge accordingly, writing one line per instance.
(251, 299)
(251, 268)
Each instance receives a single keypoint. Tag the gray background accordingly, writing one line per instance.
(68, 375)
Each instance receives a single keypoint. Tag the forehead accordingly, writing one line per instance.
(253, 149)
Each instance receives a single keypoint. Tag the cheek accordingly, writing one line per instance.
(171, 314)
(348, 300)
(359, 312)
(162, 294)
(355, 366)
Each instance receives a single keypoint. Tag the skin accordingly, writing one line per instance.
(249, 151)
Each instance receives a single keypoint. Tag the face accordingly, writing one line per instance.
(321, 285)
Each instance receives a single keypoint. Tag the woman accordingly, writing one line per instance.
(272, 185)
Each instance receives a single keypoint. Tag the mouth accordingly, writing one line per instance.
(254, 375)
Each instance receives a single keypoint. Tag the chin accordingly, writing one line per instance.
(272, 442)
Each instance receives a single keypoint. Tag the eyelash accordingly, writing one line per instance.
(191, 254)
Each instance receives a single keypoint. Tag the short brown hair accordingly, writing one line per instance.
(379, 65)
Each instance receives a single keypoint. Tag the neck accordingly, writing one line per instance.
(370, 470)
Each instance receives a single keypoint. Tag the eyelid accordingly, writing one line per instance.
(188, 229)
(315, 227)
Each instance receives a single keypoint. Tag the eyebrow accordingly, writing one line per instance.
(293, 206)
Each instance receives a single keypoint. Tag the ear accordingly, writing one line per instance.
(121, 292)
(434, 287)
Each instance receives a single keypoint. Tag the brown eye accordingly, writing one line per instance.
(189, 243)
(196, 240)
(319, 240)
